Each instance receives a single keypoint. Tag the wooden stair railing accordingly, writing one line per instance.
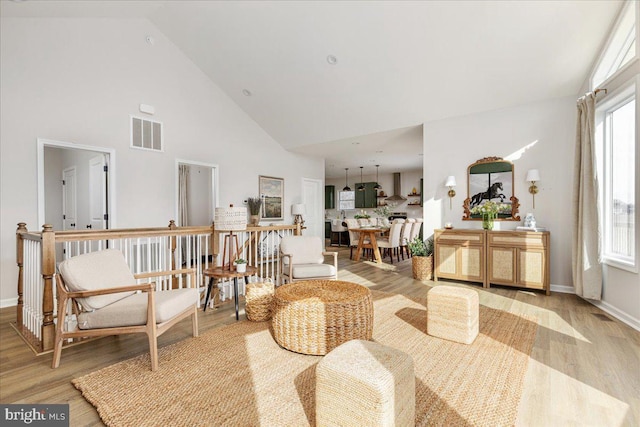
(37, 253)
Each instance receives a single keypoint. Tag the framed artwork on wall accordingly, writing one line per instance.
(272, 195)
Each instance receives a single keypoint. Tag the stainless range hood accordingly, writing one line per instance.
(397, 190)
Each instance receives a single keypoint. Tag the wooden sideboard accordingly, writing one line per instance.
(510, 258)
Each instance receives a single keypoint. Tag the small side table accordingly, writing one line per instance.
(217, 273)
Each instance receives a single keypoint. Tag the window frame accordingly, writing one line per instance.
(626, 92)
(605, 52)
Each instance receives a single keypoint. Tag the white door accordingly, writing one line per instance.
(312, 194)
(69, 207)
(98, 193)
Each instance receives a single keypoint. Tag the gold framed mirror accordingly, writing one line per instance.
(491, 179)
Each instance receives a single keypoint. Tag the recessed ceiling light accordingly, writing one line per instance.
(332, 60)
(246, 92)
(150, 40)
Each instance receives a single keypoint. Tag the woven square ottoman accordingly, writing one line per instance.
(363, 383)
(453, 313)
(259, 300)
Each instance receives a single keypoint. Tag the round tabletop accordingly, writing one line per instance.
(323, 291)
(220, 272)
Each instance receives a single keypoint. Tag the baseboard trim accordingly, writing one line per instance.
(563, 289)
(617, 313)
(604, 306)
(8, 302)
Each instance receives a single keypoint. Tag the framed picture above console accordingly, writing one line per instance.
(491, 179)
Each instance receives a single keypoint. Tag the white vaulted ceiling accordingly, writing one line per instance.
(399, 64)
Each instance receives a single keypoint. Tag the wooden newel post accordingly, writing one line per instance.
(48, 270)
(215, 244)
(298, 231)
(22, 228)
(172, 243)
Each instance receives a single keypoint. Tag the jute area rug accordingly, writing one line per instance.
(238, 376)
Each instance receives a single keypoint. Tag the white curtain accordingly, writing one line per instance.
(587, 269)
(183, 195)
(183, 206)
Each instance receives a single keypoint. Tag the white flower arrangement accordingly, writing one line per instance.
(490, 209)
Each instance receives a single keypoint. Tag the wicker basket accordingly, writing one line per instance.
(259, 300)
(422, 267)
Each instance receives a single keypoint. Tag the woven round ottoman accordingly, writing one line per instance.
(316, 316)
(259, 300)
(364, 383)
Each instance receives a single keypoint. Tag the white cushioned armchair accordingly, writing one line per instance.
(302, 258)
(107, 301)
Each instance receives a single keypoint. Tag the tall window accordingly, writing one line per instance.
(616, 132)
(621, 47)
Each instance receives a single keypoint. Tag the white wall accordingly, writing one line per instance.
(78, 80)
(534, 136)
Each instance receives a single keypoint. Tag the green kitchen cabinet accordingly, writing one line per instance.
(367, 198)
(329, 196)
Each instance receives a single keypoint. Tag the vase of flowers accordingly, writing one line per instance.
(383, 212)
(489, 211)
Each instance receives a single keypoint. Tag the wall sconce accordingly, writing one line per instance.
(533, 176)
(297, 211)
(451, 182)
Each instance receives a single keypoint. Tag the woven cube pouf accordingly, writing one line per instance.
(259, 300)
(453, 314)
(363, 383)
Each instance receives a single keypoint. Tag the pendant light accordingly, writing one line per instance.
(361, 186)
(377, 186)
(346, 179)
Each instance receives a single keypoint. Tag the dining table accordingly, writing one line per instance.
(369, 233)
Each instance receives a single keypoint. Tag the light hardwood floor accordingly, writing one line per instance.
(584, 367)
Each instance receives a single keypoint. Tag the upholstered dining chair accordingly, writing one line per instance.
(107, 301)
(406, 236)
(392, 244)
(354, 236)
(302, 258)
(415, 230)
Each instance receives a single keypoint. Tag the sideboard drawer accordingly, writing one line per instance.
(529, 239)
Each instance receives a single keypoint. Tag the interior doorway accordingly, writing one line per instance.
(312, 193)
(76, 185)
(69, 194)
(196, 192)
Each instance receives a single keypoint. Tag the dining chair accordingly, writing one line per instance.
(415, 230)
(406, 236)
(391, 244)
(354, 236)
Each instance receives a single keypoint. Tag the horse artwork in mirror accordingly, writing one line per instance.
(491, 180)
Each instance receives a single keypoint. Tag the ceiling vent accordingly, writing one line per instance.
(397, 190)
